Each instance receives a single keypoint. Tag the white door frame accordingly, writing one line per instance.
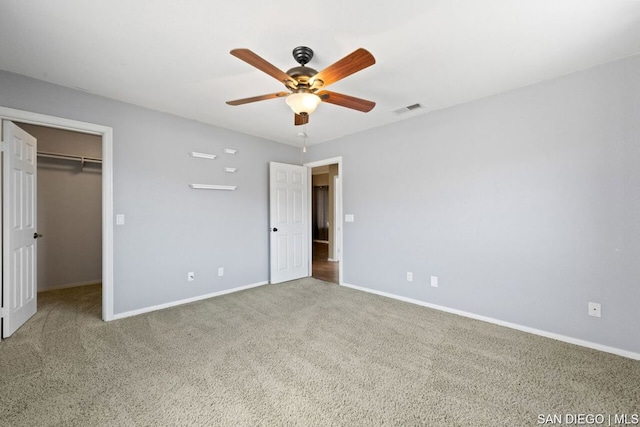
(107, 187)
(337, 221)
(337, 226)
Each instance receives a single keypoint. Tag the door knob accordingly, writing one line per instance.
(274, 229)
(36, 235)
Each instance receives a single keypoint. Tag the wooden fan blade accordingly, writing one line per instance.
(261, 64)
(346, 101)
(257, 98)
(356, 61)
(299, 119)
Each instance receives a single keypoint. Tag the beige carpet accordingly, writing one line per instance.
(302, 353)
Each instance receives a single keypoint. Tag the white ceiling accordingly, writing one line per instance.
(173, 55)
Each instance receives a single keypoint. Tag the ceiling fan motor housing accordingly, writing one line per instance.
(302, 74)
(302, 54)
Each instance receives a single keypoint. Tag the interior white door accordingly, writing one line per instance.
(288, 222)
(18, 228)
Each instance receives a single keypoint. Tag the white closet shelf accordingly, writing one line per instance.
(69, 157)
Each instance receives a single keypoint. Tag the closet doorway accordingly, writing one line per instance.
(69, 209)
(324, 248)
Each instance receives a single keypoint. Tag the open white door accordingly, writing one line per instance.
(18, 227)
(288, 222)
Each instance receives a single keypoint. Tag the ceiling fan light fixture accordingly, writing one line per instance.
(303, 102)
(304, 83)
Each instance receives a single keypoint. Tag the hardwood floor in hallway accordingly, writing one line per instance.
(321, 268)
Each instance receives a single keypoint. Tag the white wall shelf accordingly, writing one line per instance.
(212, 187)
(202, 155)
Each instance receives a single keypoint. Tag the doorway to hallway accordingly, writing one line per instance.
(323, 269)
(325, 249)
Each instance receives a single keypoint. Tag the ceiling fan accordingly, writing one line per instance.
(306, 85)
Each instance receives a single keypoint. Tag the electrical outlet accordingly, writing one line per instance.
(220, 271)
(595, 309)
(191, 276)
(434, 281)
(409, 276)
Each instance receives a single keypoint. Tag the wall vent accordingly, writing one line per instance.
(408, 108)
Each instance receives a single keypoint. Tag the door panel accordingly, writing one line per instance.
(288, 216)
(19, 227)
(298, 206)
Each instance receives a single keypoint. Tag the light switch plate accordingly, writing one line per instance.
(120, 219)
(349, 218)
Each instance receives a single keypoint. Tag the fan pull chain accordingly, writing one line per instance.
(304, 139)
(303, 149)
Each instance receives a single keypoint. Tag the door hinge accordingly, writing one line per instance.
(3, 312)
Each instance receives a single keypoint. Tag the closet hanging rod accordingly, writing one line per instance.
(69, 157)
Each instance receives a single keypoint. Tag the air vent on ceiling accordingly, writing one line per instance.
(408, 108)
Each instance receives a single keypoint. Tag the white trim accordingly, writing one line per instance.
(325, 162)
(107, 225)
(310, 166)
(337, 220)
(185, 301)
(107, 187)
(540, 332)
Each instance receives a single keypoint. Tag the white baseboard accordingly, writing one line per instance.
(71, 285)
(563, 338)
(184, 301)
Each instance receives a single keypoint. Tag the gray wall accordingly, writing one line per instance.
(171, 229)
(526, 205)
(69, 209)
